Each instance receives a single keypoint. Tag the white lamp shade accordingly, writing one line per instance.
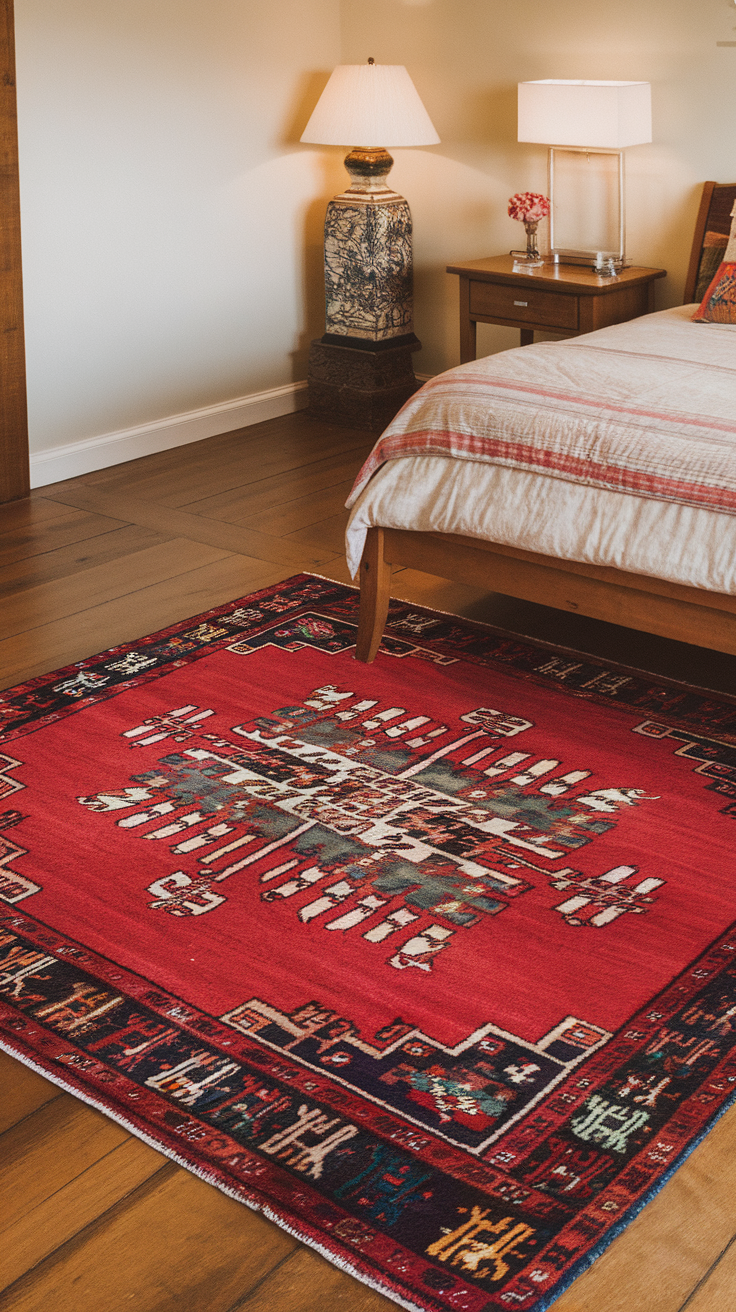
(607, 115)
(370, 105)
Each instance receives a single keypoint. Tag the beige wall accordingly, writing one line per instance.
(466, 58)
(171, 221)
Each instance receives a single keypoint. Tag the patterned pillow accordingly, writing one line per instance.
(719, 303)
(711, 259)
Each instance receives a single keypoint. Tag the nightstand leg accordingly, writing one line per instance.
(527, 336)
(467, 325)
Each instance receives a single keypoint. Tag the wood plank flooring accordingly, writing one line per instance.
(92, 1219)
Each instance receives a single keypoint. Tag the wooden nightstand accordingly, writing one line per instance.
(556, 298)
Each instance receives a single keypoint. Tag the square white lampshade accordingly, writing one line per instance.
(600, 115)
(370, 105)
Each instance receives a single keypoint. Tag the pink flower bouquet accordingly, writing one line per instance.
(528, 206)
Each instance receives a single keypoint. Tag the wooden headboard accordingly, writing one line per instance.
(712, 229)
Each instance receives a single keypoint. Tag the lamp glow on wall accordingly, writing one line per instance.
(587, 126)
(368, 249)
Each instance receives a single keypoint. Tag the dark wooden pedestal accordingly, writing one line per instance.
(359, 386)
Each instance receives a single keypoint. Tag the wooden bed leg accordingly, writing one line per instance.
(375, 584)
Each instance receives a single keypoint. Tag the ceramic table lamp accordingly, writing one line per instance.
(368, 249)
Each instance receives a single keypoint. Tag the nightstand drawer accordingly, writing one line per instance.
(524, 305)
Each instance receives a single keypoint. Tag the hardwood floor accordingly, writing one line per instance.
(94, 1220)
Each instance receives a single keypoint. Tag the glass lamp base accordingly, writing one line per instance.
(524, 263)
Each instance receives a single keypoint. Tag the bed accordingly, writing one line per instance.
(595, 474)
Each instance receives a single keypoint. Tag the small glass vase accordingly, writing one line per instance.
(532, 250)
(530, 258)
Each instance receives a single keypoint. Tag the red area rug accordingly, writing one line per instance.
(431, 960)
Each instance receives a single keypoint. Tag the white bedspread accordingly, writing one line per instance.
(549, 514)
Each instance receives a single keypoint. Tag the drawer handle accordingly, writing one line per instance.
(524, 303)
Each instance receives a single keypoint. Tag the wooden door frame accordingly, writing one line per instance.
(14, 462)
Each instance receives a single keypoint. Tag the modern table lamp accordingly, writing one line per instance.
(587, 126)
(368, 251)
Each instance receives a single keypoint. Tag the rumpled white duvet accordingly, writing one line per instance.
(547, 514)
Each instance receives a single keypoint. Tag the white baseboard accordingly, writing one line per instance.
(59, 462)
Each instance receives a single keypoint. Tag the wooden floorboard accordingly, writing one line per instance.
(327, 535)
(87, 589)
(175, 1243)
(70, 528)
(717, 1290)
(230, 461)
(22, 1091)
(17, 517)
(81, 554)
(263, 494)
(179, 523)
(47, 1149)
(306, 1282)
(64, 1214)
(97, 1221)
(306, 511)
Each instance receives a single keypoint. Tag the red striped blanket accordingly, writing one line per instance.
(647, 407)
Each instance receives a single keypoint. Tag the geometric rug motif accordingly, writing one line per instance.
(430, 960)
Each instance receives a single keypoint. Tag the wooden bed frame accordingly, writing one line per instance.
(694, 615)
